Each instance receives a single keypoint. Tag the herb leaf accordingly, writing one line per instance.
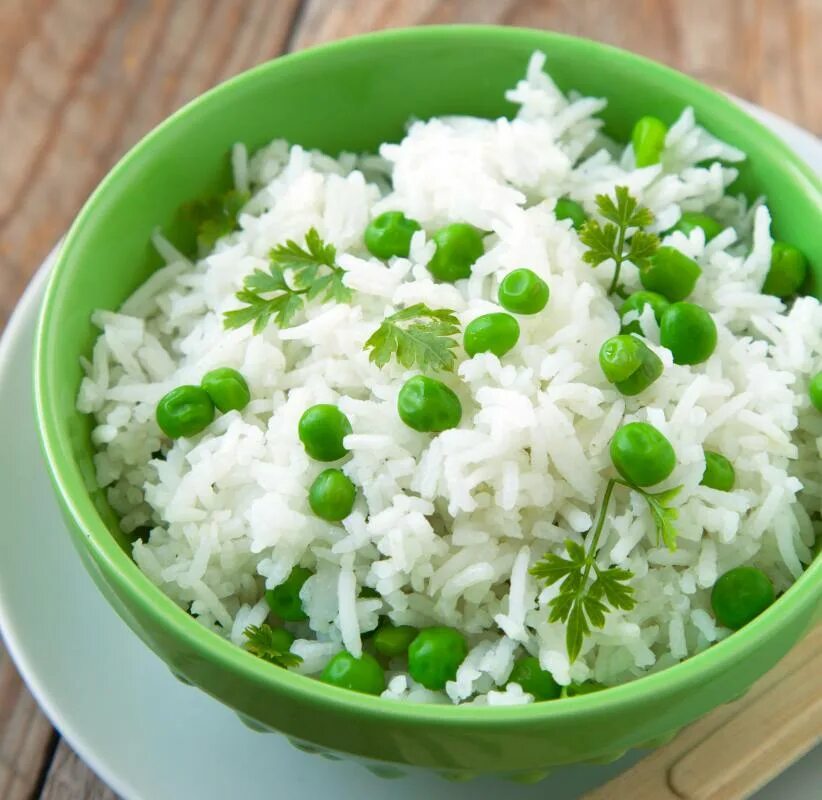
(315, 253)
(552, 568)
(626, 212)
(609, 241)
(643, 246)
(213, 217)
(261, 643)
(314, 268)
(612, 583)
(664, 515)
(582, 603)
(260, 311)
(271, 281)
(577, 629)
(314, 272)
(417, 336)
(600, 241)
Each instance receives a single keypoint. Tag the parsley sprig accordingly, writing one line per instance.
(214, 216)
(313, 272)
(417, 336)
(622, 238)
(581, 602)
(261, 643)
(589, 591)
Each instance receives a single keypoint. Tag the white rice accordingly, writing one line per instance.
(445, 527)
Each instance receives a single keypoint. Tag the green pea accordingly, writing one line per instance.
(428, 405)
(740, 595)
(688, 331)
(719, 472)
(629, 364)
(227, 389)
(185, 411)
(789, 268)
(619, 357)
(491, 333)
(815, 391)
(392, 641)
(570, 209)
(670, 273)
(641, 454)
(648, 139)
(322, 429)
(434, 656)
(458, 246)
(281, 639)
(390, 234)
(586, 687)
(637, 302)
(332, 495)
(695, 219)
(649, 370)
(284, 600)
(533, 679)
(363, 674)
(523, 292)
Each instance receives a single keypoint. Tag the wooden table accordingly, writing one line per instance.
(82, 80)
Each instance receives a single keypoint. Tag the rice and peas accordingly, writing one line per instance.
(447, 526)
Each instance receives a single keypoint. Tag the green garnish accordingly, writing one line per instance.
(418, 336)
(264, 643)
(662, 514)
(611, 241)
(581, 602)
(213, 217)
(314, 269)
(313, 272)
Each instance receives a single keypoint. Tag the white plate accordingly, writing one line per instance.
(147, 735)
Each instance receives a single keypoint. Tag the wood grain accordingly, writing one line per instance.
(69, 778)
(26, 737)
(762, 50)
(93, 79)
(80, 82)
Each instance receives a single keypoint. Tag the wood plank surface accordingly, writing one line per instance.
(26, 737)
(80, 82)
(68, 778)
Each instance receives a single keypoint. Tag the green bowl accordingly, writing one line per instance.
(353, 95)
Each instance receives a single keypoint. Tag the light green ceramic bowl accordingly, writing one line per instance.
(353, 95)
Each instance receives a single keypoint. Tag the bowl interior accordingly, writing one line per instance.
(351, 95)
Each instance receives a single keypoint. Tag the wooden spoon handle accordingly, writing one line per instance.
(739, 747)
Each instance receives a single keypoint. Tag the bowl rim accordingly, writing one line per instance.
(224, 655)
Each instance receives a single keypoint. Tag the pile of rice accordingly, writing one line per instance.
(446, 526)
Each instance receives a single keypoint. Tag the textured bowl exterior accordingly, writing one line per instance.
(352, 95)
